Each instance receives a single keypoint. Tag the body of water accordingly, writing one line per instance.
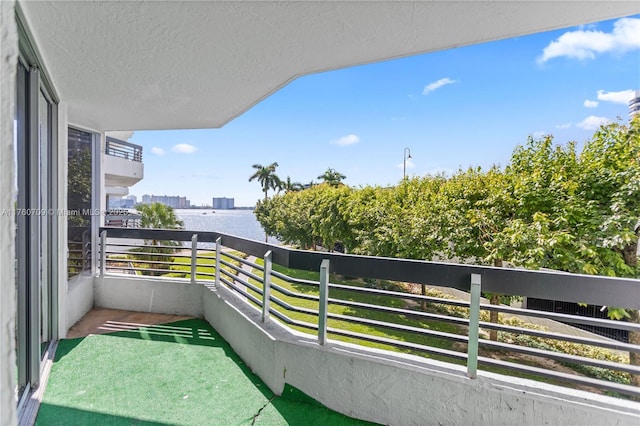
(241, 223)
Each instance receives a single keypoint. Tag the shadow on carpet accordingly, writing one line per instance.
(182, 373)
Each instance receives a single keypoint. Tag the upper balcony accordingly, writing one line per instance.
(123, 165)
(359, 334)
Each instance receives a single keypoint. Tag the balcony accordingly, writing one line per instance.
(123, 165)
(351, 332)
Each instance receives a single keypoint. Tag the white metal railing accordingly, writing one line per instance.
(307, 305)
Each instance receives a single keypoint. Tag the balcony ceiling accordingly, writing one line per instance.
(167, 65)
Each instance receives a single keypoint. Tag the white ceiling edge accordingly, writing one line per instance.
(175, 65)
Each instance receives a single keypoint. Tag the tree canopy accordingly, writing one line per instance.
(551, 206)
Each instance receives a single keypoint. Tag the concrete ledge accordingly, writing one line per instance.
(79, 299)
(393, 388)
(148, 294)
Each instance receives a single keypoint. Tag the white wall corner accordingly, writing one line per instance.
(63, 247)
(8, 62)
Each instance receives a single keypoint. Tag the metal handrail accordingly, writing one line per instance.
(254, 281)
(123, 149)
(578, 288)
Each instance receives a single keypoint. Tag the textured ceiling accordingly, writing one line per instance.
(168, 65)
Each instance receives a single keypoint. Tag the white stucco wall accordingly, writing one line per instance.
(400, 389)
(8, 58)
(120, 171)
(62, 243)
(178, 297)
(78, 299)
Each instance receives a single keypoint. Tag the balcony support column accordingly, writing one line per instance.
(218, 252)
(194, 258)
(103, 253)
(323, 303)
(266, 289)
(474, 323)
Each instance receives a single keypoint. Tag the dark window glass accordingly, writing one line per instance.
(79, 194)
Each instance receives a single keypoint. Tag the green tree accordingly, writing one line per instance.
(266, 176)
(157, 216)
(290, 186)
(332, 177)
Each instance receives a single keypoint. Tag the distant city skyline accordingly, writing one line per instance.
(469, 106)
(175, 201)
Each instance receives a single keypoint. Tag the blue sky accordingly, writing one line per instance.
(463, 107)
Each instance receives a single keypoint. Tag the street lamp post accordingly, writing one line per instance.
(405, 157)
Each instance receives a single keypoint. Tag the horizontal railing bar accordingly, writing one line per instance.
(399, 344)
(574, 319)
(293, 308)
(143, 253)
(291, 321)
(598, 290)
(204, 265)
(419, 297)
(241, 291)
(241, 271)
(293, 293)
(162, 271)
(609, 344)
(230, 265)
(406, 312)
(154, 262)
(582, 380)
(112, 140)
(243, 282)
(560, 356)
(295, 280)
(243, 261)
(399, 327)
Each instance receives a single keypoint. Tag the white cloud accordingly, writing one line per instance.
(590, 104)
(621, 97)
(157, 151)
(563, 126)
(437, 84)
(347, 140)
(586, 44)
(539, 134)
(593, 122)
(184, 148)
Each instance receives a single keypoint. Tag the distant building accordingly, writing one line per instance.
(634, 104)
(174, 201)
(223, 203)
(127, 202)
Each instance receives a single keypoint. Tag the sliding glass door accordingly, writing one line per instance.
(36, 218)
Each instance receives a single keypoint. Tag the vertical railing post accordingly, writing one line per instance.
(324, 296)
(218, 251)
(194, 258)
(474, 324)
(266, 289)
(103, 253)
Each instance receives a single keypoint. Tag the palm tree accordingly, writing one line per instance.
(157, 216)
(332, 177)
(267, 177)
(292, 186)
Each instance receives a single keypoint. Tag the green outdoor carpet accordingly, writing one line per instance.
(181, 373)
